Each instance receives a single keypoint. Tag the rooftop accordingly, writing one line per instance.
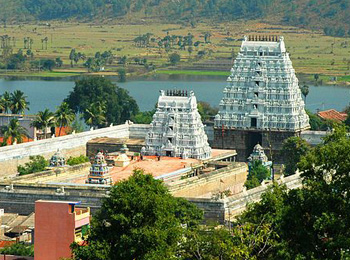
(332, 114)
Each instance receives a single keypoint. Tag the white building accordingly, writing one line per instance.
(262, 91)
(177, 129)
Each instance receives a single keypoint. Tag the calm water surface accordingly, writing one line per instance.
(50, 94)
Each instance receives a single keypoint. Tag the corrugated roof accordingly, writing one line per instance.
(332, 114)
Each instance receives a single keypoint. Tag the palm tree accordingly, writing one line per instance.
(95, 114)
(5, 102)
(44, 120)
(18, 102)
(64, 116)
(13, 131)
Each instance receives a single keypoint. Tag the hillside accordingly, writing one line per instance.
(329, 15)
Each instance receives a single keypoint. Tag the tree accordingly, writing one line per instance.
(36, 164)
(305, 91)
(174, 58)
(72, 55)
(64, 116)
(257, 173)
(145, 117)
(120, 106)
(19, 102)
(121, 75)
(5, 102)
(95, 114)
(58, 62)
(294, 148)
(311, 222)
(44, 120)
(206, 111)
(13, 132)
(139, 219)
(316, 77)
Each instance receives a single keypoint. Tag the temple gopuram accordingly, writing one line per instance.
(99, 171)
(262, 102)
(177, 129)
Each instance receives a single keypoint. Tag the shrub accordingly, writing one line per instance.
(36, 164)
(18, 249)
(77, 160)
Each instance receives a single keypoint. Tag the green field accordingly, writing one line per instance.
(311, 51)
(193, 72)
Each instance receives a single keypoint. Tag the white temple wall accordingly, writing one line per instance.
(70, 145)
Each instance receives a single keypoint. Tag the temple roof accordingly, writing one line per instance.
(332, 114)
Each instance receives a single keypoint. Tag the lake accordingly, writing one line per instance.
(49, 94)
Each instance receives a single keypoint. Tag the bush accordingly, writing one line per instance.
(36, 164)
(77, 160)
(18, 249)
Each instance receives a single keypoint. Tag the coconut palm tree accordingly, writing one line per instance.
(19, 102)
(64, 116)
(13, 132)
(44, 120)
(95, 114)
(5, 102)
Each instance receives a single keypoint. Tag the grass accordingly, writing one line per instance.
(46, 74)
(193, 72)
(311, 51)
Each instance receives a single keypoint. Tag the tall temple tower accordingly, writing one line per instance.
(177, 129)
(262, 102)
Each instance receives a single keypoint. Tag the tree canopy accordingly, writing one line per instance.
(119, 105)
(312, 222)
(139, 219)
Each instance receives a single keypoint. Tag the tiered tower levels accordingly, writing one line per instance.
(177, 129)
(262, 90)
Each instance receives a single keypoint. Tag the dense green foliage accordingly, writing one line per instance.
(312, 222)
(37, 163)
(206, 111)
(101, 102)
(293, 149)
(18, 249)
(258, 172)
(329, 15)
(139, 219)
(77, 160)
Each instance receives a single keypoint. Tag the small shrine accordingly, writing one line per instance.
(57, 160)
(99, 171)
(258, 154)
(122, 159)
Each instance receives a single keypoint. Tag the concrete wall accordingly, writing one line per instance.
(313, 137)
(70, 145)
(229, 178)
(236, 204)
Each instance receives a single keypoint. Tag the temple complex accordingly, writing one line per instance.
(177, 129)
(262, 102)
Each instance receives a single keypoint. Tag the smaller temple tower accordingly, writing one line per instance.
(99, 171)
(258, 154)
(177, 129)
(57, 160)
